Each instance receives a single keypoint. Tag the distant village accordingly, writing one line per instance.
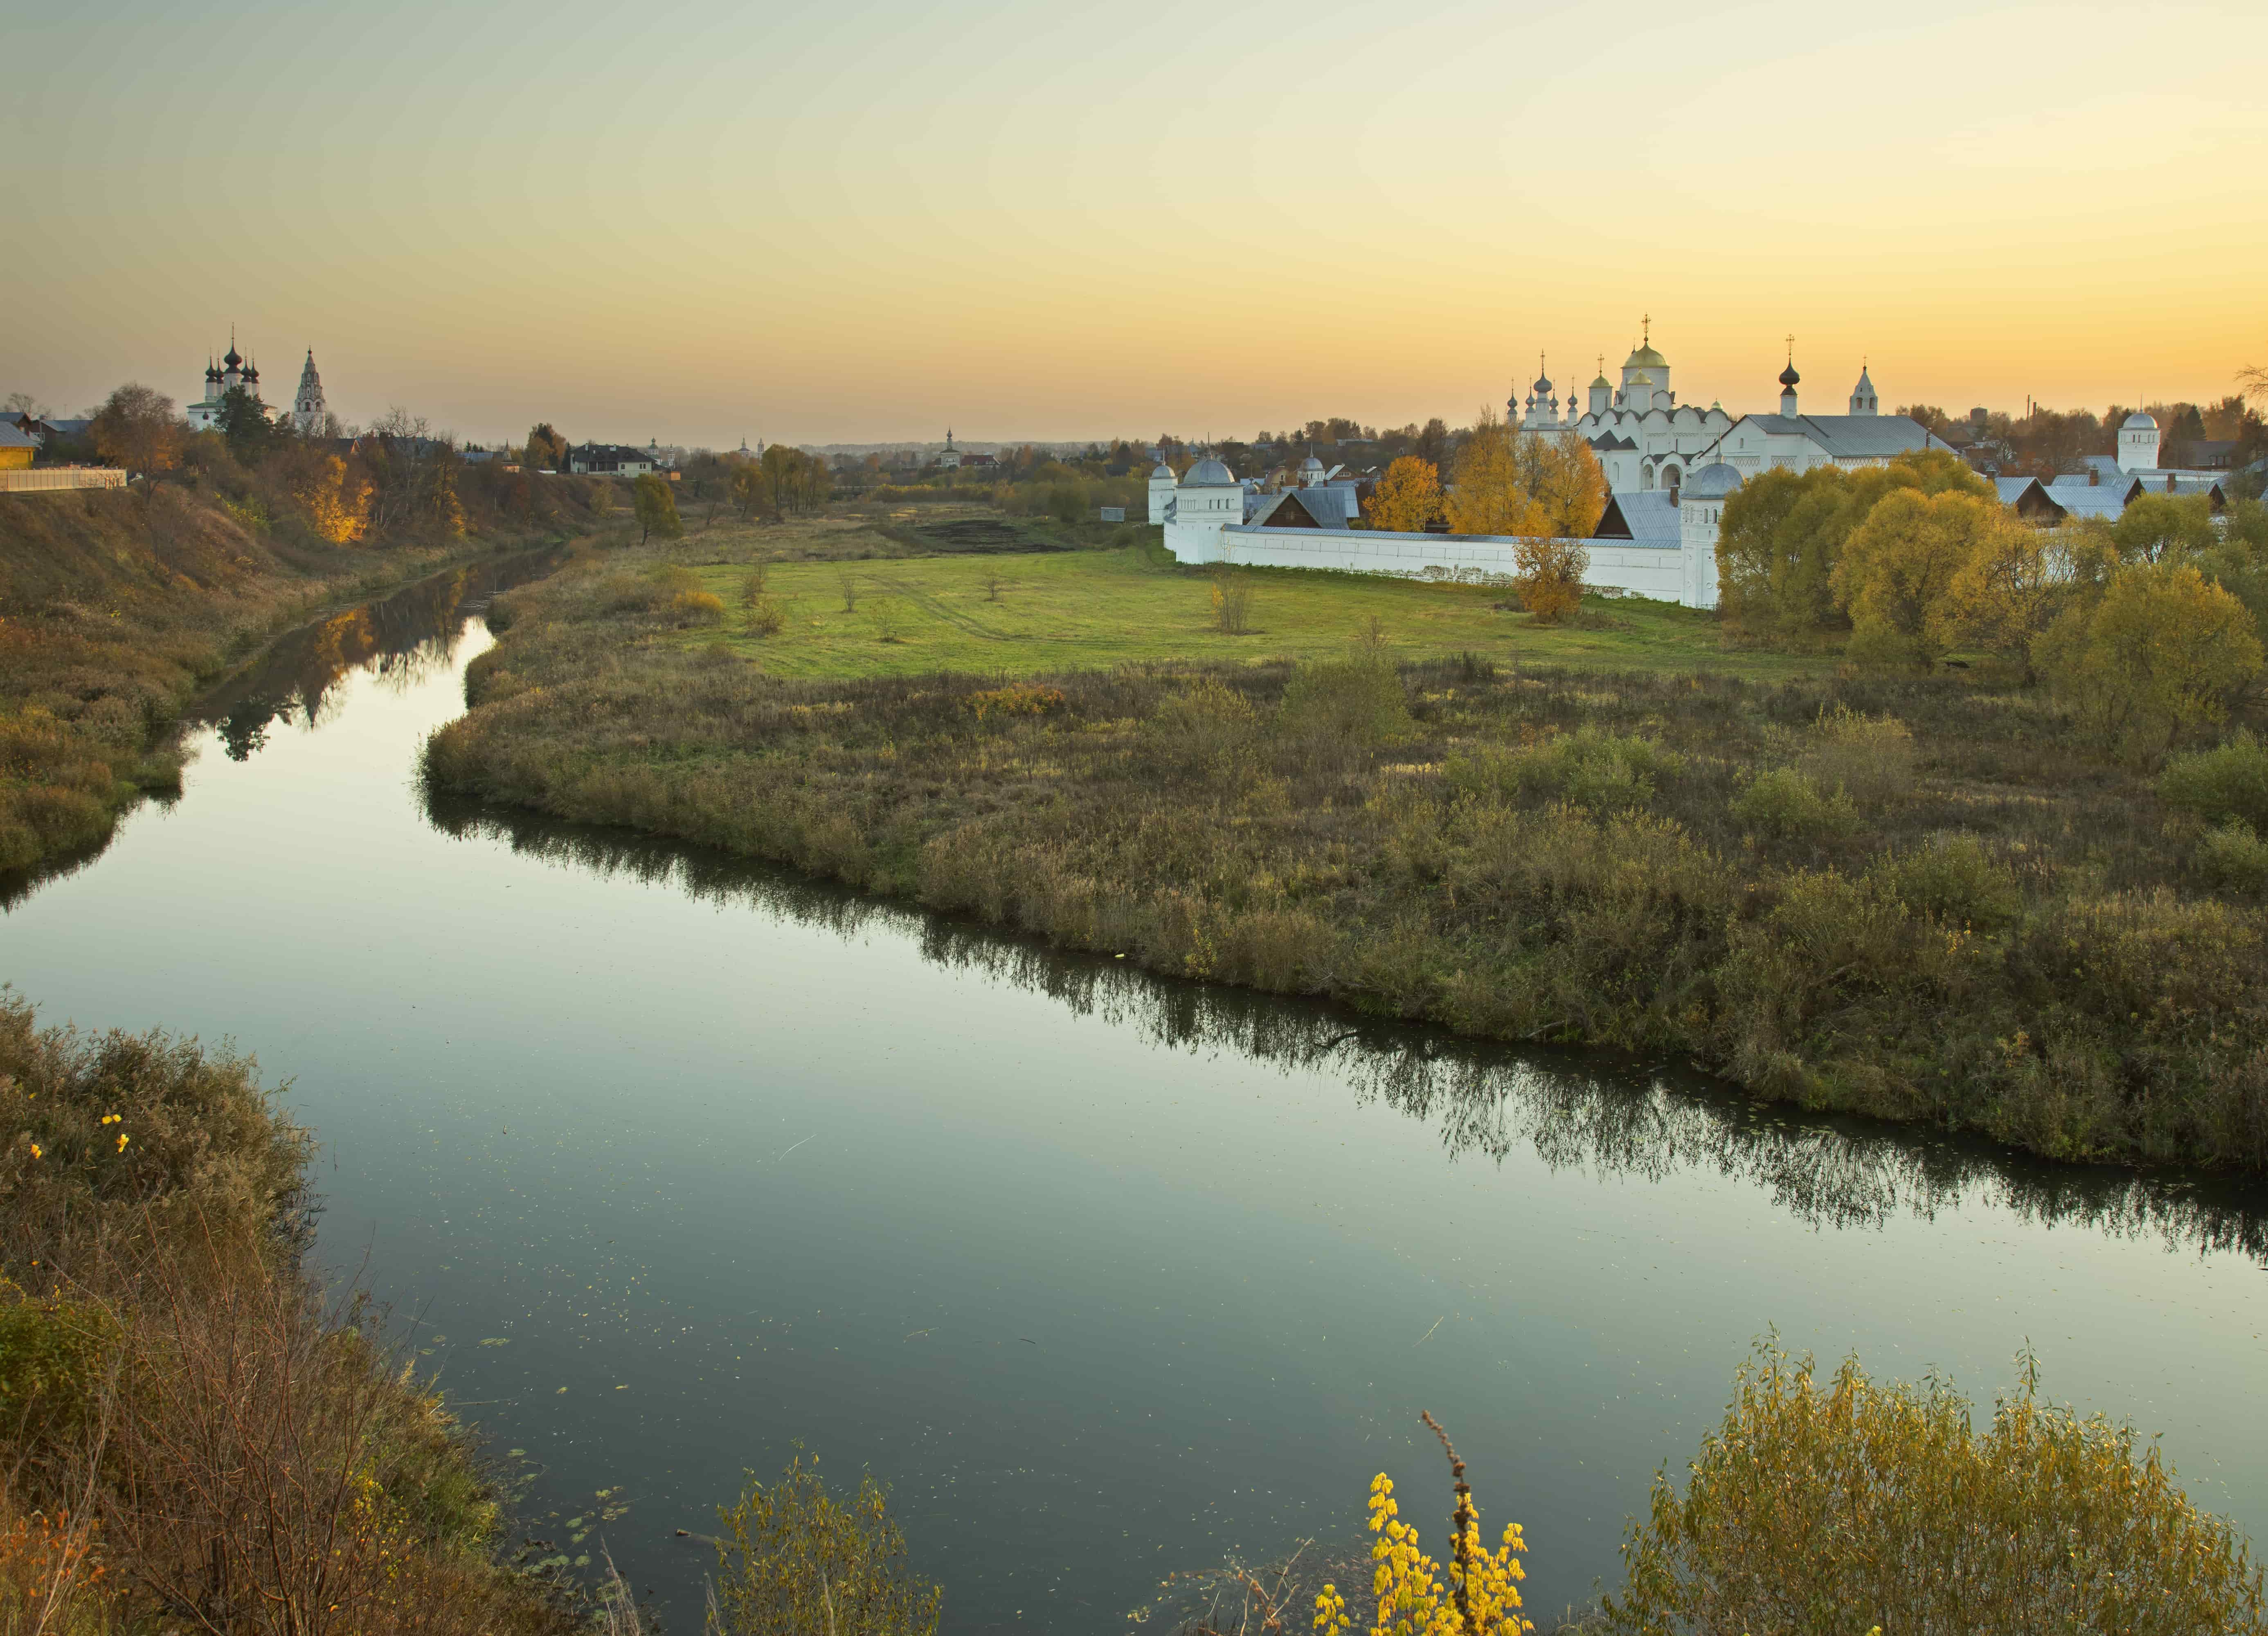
(1669, 467)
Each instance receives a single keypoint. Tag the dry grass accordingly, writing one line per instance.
(218, 1443)
(116, 604)
(1915, 898)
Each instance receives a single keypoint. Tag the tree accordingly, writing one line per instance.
(1844, 1506)
(2156, 526)
(1407, 498)
(1487, 497)
(1897, 567)
(793, 1560)
(1551, 579)
(335, 500)
(547, 450)
(24, 403)
(2016, 579)
(2162, 651)
(137, 428)
(1564, 478)
(656, 507)
(245, 425)
(1782, 532)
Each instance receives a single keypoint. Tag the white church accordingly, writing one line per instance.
(232, 371)
(1669, 469)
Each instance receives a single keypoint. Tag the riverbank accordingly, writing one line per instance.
(194, 1425)
(1918, 900)
(116, 607)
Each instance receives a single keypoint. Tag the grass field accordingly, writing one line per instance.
(1031, 613)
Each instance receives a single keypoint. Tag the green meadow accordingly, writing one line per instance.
(1029, 614)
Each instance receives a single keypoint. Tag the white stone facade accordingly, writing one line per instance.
(221, 380)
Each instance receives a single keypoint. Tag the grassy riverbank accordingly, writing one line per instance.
(194, 1433)
(1918, 900)
(115, 607)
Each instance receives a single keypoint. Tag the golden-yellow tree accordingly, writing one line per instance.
(335, 500)
(1407, 498)
(1490, 495)
(1514, 482)
(1563, 477)
(1550, 580)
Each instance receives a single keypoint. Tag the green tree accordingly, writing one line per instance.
(245, 425)
(656, 507)
(2161, 652)
(793, 1560)
(1897, 566)
(1782, 534)
(2156, 526)
(1844, 1506)
(2015, 581)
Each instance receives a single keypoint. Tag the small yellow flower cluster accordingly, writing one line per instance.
(1411, 1600)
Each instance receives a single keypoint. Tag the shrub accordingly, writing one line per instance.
(1551, 577)
(2234, 858)
(766, 617)
(694, 607)
(1787, 804)
(1231, 604)
(1848, 1506)
(792, 1560)
(2229, 782)
(1586, 768)
(1956, 881)
(1870, 757)
(1018, 698)
(1353, 701)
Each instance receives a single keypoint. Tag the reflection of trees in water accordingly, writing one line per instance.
(404, 641)
(1613, 1116)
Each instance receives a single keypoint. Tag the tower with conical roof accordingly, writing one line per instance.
(308, 410)
(1863, 400)
(1788, 378)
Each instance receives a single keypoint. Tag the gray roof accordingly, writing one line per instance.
(1713, 481)
(1208, 473)
(1163, 470)
(1648, 516)
(1846, 437)
(2140, 418)
(2012, 489)
(2108, 502)
(1323, 506)
(12, 437)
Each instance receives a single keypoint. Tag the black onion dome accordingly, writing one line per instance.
(1788, 376)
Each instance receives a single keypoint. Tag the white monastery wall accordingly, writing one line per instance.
(1657, 571)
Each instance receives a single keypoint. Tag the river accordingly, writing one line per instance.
(667, 1164)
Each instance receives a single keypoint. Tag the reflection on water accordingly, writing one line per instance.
(1581, 1111)
(404, 641)
(677, 1161)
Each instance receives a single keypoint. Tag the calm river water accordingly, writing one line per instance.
(675, 1164)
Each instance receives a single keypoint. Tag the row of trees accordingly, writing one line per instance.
(1505, 481)
(2150, 627)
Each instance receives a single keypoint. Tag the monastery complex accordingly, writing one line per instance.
(1670, 466)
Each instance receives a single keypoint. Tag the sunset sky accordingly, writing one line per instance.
(866, 220)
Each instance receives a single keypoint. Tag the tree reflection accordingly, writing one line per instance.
(1609, 1116)
(403, 641)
